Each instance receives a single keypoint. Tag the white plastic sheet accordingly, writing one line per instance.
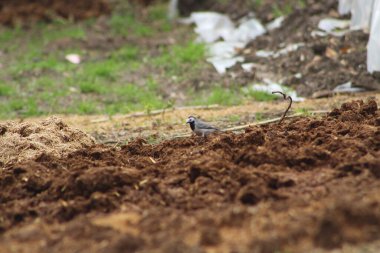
(213, 27)
(373, 48)
(277, 23)
(361, 14)
(247, 31)
(173, 9)
(347, 88)
(335, 27)
(332, 24)
(221, 64)
(286, 50)
(344, 6)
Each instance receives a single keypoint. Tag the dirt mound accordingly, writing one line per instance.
(24, 141)
(14, 12)
(304, 184)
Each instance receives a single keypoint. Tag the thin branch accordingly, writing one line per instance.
(290, 104)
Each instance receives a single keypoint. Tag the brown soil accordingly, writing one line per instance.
(308, 183)
(15, 12)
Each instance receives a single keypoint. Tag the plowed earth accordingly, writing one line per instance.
(308, 183)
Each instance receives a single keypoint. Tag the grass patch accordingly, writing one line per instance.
(287, 7)
(218, 95)
(259, 116)
(303, 111)
(88, 87)
(180, 58)
(260, 96)
(86, 107)
(222, 97)
(233, 118)
(37, 78)
(5, 90)
(127, 24)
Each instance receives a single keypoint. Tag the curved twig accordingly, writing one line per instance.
(287, 109)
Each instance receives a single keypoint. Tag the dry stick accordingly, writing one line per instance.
(290, 104)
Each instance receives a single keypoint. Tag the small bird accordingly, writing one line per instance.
(199, 127)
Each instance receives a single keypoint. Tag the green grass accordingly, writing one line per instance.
(5, 90)
(257, 3)
(89, 87)
(130, 76)
(287, 8)
(302, 3)
(260, 96)
(223, 97)
(303, 111)
(126, 25)
(234, 118)
(218, 95)
(259, 116)
(180, 58)
(126, 22)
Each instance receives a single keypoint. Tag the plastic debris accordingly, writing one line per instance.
(365, 14)
(344, 7)
(332, 26)
(248, 67)
(373, 48)
(347, 88)
(275, 23)
(269, 86)
(211, 27)
(222, 64)
(264, 53)
(224, 49)
(361, 14)
(284, 51)
(247, 31)
(73, 58)
(173, 9)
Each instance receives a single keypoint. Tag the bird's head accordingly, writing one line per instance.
(190, 120)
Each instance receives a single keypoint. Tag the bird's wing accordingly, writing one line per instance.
(203, 125)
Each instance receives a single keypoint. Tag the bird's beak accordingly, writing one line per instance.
(187, 121)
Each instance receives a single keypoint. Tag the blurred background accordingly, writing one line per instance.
(119, 56)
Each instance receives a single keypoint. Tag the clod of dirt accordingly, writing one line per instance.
(29, 141)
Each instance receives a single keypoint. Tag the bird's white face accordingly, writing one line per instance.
(190, 120)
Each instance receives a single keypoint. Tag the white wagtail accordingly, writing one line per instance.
(199, 127)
